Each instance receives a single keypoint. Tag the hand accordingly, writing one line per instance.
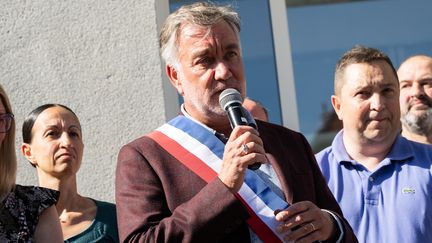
(237, 157)
(304, 222)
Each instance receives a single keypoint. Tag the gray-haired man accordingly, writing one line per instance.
(185, 182)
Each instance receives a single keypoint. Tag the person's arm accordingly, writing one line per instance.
(319, 219)
(48, 228)
(326, 200)
(147, 210)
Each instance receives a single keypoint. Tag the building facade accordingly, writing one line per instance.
(101, 59)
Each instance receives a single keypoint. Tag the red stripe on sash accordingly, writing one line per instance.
(200, 168)
(184, 156)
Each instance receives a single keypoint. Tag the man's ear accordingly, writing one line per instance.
(26, 151)
(335, 100)
(173, 76)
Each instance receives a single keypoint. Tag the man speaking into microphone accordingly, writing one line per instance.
(188, 181)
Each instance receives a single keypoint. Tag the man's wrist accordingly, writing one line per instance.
(338, 232)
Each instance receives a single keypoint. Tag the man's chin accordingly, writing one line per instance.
(219, 114)
(419, 107)
(416, 112)
(377, 135)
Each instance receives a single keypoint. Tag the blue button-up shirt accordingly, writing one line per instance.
(392, 203)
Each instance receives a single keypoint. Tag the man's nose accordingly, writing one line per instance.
(416, 90)
(222, 71)
(377, 102)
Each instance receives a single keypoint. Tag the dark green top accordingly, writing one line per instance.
(103, 228)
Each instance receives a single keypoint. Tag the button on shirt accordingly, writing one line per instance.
(392, 203)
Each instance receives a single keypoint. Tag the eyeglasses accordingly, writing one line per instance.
(6, 122)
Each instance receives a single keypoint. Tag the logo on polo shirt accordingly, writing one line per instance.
(408, 190)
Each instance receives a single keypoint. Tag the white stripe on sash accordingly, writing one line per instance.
(254, 191)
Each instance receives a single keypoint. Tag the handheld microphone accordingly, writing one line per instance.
(231, 101)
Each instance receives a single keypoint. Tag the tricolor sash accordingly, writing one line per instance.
(202, 152)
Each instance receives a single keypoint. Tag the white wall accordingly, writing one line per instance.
(98, 57)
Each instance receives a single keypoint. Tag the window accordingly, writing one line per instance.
(289, 61)
(320, 34)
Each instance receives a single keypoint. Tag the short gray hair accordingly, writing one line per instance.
(202, 13)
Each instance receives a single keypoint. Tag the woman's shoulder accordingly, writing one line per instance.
(36, 194)
(103, 203)
(22, 207)
(106, 218)
(106, 211)
(105, 206)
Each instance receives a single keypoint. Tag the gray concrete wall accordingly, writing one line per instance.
(98, 57)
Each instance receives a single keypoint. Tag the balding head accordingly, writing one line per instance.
(256, 109)
(415, 77)
(409, 69)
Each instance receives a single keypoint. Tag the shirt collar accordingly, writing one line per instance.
(339, 150)
(184, 112)
(400, 151)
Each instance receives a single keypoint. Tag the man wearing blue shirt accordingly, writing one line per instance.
(382, 181)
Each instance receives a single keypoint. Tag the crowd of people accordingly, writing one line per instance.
(190, 180)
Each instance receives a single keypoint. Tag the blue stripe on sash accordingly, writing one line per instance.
(254, 182)
(200, 133)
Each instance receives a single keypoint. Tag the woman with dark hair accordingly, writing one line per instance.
(27, 213)
(52, 142)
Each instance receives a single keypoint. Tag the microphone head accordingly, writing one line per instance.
(228, 97)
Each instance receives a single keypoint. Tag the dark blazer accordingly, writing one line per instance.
(160, 200)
